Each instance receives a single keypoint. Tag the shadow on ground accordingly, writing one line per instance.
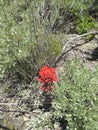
(4, 127)
(94, 55)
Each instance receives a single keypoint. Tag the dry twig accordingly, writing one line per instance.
(69, 42)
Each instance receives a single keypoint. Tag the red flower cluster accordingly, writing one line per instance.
(46, 76)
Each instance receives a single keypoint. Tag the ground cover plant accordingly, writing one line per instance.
(76, 97)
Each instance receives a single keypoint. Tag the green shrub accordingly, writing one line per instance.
(25, 44)
(76, 97)
(84, 24)
(84, 21)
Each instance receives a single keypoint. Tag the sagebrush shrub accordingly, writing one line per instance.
(76, 97)
(25, 43)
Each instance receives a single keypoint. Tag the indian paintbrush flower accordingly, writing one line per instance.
(46, 76)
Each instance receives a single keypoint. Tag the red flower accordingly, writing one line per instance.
(46, 76)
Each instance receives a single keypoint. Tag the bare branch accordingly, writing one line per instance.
(8, 104)
(78, 37)
(69, 42)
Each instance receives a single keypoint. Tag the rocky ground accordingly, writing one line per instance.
(20, 106)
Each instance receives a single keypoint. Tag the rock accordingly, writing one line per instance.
(37, 111)
(26, 117)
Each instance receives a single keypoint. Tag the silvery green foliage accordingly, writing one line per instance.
(76, 99)
(39, 121)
